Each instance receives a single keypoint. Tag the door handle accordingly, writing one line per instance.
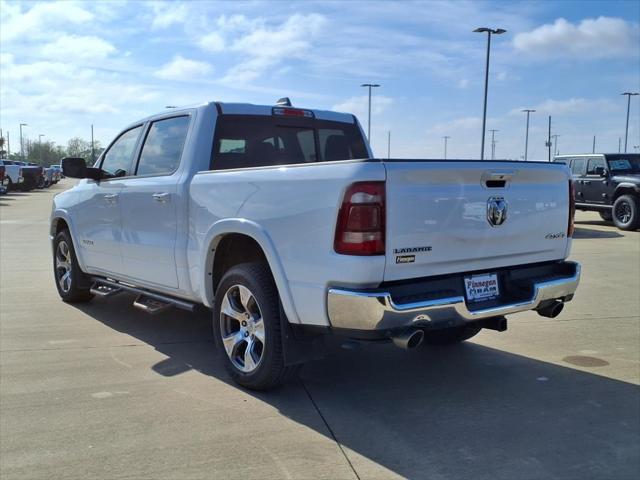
(586, 182)
(111, 197)
(161, 197)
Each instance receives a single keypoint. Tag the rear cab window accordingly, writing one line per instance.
(243, 141)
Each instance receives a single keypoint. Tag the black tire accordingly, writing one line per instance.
(626, 212)
(74, 289)
(270, 369)
(606, 215)
(450, 336)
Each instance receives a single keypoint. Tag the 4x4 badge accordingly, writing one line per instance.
(497, 211)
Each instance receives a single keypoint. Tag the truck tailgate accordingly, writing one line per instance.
(437, 216)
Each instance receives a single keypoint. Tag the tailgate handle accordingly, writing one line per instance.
(497, 179)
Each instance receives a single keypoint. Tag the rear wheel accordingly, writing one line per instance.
(626, 212)
(246, 327)
(450, 336)
(606, 215)
(68, 276)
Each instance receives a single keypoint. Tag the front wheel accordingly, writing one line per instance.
(246, 327)
(67, 273)
(626, 212)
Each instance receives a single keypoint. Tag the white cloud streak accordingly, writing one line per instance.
(180, 68)
(601, 37)
(80, 47)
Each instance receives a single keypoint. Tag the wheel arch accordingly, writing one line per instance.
(625, 189)
(59, 221)
(233, 241)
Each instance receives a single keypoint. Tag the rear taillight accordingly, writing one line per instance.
(361, 220)
(572, 208)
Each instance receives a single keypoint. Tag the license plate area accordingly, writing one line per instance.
(483, 287)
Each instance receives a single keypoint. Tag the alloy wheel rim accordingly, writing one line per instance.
(63, 266)
(242, 328)
(623, 212)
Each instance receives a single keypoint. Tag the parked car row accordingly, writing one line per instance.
(25, 176)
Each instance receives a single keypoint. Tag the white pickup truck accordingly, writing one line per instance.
(13, 174)
(280, 221)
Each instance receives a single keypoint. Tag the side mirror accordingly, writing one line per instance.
(75, 167)
(600, 171)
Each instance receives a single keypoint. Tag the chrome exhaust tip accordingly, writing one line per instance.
(408, 339)
(499, 324)
(552, 310)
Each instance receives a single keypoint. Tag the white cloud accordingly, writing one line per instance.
(591, 38)
(166, 14)
(463, 83)
(40, 19)
(44, 89)
(266, 47)
(570, 106)
(359, 106)
(78, 47)
(181, 68)
(212, 42)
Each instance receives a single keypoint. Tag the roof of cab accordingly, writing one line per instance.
(243, 109)
(251, 109)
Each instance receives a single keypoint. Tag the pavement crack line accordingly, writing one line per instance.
(333, 435)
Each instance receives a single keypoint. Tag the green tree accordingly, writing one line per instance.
(44, 153)
(77, 147)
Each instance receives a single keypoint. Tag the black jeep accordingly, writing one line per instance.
(608, 183)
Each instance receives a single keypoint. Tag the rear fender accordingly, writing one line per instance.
(260, 235)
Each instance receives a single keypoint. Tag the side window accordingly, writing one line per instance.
(162, 148)
(120, 154)
(577, 166)
(593, 163)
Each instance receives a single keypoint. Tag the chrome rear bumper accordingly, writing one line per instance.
(361, 310)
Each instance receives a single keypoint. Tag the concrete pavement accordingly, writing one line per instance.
(106, 391)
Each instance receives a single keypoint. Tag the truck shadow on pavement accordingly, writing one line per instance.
(466, 411)
(583, 233)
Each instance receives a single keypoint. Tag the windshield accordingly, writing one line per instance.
(624, 163)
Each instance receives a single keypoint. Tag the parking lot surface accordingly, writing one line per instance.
(103, 390)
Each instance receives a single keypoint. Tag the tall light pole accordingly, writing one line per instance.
(40, 145)
(369, 86)
(526, 137)
(446, 138)
(493, 143)
(388, 144)
(93, 151)
(21, 143)
(489, 31)
(626, 131)
(555, 144)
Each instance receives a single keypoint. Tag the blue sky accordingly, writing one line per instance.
(67, 65)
